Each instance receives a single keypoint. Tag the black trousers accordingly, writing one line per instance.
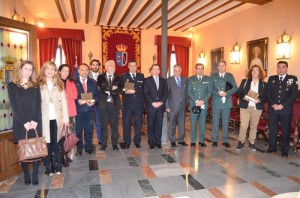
(128, 114)
(285, 123)
(155, 119)
(54, 147)
(35, 171)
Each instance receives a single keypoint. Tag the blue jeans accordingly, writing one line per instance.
(84, 122)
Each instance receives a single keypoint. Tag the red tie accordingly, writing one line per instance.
(84, 85)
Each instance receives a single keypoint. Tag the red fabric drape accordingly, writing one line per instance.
(43, 33)
(47, 49)
(182, 56)
(168, 55)
(72, 48)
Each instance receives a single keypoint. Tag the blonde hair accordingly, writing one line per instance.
(32, 80)
(56, 79)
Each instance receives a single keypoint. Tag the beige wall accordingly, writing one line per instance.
(269, 20)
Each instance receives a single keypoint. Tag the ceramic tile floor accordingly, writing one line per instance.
(166, 173)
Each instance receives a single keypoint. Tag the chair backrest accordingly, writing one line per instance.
(296, 109)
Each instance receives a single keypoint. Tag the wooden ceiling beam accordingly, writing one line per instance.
(62, 16)
(193, 13)
(169, 11)
(114, 12)
(238, 5)
(150, 15)
(100, 11)
(203, 15)
(140, 12)
(127, 12)
(72, 2)
(182, 11)
(258, 2)
(87, 10)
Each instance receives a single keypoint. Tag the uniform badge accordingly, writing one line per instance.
(273, 81)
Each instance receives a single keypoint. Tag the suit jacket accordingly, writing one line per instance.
(60, 108)
(133, 100)
(220, 84)
(199, 90)
(153, 95)
(92, 77)
(103, 83)
(175, 97)
(284, 93)
(245, 87)
(91, 87)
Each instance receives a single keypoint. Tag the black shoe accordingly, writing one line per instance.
(158, 146)
(252, 147)
(35, 183)
(193, 144)
(115, 148)
(68, 159)
(90, 152)
(99, 143)
(183, 143)
(137, 146)
(27, 180)
(79, 153)
(65, 162)
(284, 155)
(270, 151)
(127, 146)
(58, 169)
(102, 148)
(48, 171)
(226, 144)
(214, 144)
(240, 146)
(152, 146)
(202, 144)
(173, 144)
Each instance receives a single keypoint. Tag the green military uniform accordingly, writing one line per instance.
(199, 89)
(219, 107)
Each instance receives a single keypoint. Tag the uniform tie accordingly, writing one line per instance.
(280, 78)
(133, 76)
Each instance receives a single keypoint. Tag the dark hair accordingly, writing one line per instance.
(262, 73)
(153, 66)
(95, 60)
(222, 61)
(83, 64)
(68, 66)
(198, 64)
(132, 61)
(177, 65)
(283, 62)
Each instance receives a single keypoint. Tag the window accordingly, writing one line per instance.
(60, 57)
(172, 63)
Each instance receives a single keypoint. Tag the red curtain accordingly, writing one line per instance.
(182, 56)
(72, 48)
(168, 55)
(47, 49)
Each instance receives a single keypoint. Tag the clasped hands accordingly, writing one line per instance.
(156, 104)
(130, 91)
(277, 107)
(88, 103)
(30, 125)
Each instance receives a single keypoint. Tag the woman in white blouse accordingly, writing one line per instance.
(54, 115)
(252, 95)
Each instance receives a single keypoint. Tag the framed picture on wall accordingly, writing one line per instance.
(257, 53)
(216, 55)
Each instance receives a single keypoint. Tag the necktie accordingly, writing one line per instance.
(133, 76)
(156, 82)
(280, 78)
(109, 81)
(200, 78)
(84, 85)
(178, 83)
(222, 76)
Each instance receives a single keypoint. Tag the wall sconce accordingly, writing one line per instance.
(283, 46)
(235, 54)
(201, 58)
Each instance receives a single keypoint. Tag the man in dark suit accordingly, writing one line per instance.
(133, 105)
(176, 105)
(156, 94)
(93, 74)
(282, 91)
(109, 104)
(85, 109)
(221, 103)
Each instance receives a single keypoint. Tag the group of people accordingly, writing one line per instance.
(55, 99)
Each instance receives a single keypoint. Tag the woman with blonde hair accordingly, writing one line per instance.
(25, 100)
(252, 94)
(55, 114)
